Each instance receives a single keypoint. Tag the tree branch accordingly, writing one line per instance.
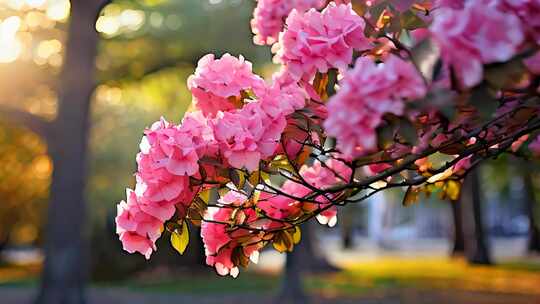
(33, 122)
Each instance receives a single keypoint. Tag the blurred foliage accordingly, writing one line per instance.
(147, 51)
(25, 178)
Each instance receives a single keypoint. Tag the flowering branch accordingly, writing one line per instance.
(357, 108)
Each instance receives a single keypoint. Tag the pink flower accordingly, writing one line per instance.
(325, 175)
(454, 4)
(374, 169)
(133, 242)
(533, 63)
(528, 12)
(160, 185)
(283, 96)
(318, 41)
(248, 135)
(138, 230)
(475, 35)
(519, 142)
(269, 16)
(198, 128)
(279, 206)
(217, 84)
(322, 176)
(368, 92)
(165, 146)
(219, 242)
(169, 155)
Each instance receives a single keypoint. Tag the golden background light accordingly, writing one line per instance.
(17, 32)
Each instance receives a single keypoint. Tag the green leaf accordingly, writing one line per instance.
(505, 75)
(410, 21)
(180, 238)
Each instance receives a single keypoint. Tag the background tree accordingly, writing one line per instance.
(476, 247)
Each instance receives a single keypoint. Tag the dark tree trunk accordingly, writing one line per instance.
(313, 259)
(458, 247)
(476, 248)
(65, 269)
(306, 258)
(291, 286)
(533, 244)
(346, 225)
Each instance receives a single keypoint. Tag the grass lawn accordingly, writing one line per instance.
(517, 277)
(370, 277)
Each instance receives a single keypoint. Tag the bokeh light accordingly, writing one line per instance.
(20, 33)
(10, 46)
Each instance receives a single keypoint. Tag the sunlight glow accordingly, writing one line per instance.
(10, 46)
(115, 21)
(17, 32)
(58, 10)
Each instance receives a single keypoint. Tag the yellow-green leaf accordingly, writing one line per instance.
(180, 238)
(205, 195)
(281, 162)
(283, 241)
(254, 178)
(297, 235)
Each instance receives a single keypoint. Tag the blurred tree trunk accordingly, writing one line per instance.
(533, 244)
(65, 269)
(476, 248)
(313, 258)
(346, 217)
(291, 285)
(458, 247)
(307, 257)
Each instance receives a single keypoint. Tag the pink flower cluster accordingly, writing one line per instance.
(528, 12)
(322, 176)
(248, 135)
(240, 122)
(318, 41)
(533, 63)
(269, 16)
(218, 83)
(366, 93)
(247, 116)
(479, 33)
(169, 156)
(219, 242)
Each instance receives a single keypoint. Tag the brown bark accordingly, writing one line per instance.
(533, 244)
(292, 290)
(476, 249)
(458, 247)
(65, 269)
(313, 259)
(306, 258)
